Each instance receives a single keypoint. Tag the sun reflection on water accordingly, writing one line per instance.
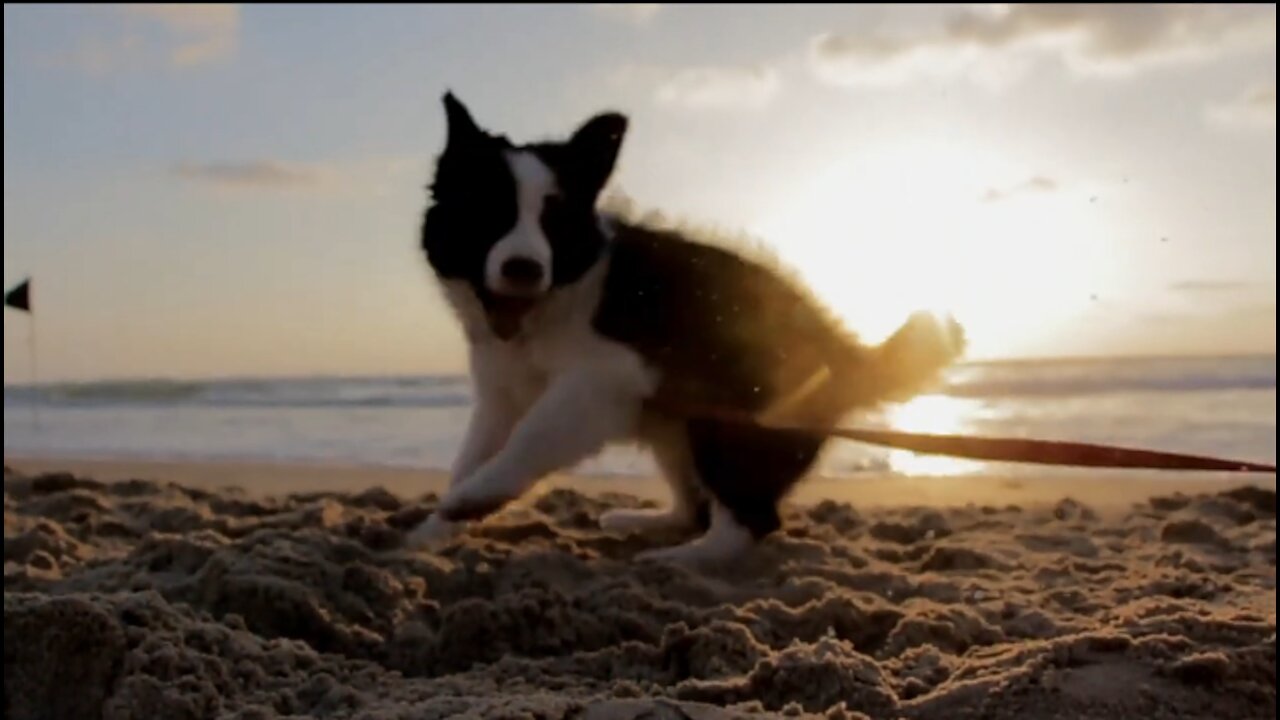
(932, 414)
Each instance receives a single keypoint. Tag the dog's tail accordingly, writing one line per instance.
(905, 364)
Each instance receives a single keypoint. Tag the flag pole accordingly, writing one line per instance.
(35, 372)
(19, 298)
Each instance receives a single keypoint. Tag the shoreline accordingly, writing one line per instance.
(21, 383)
(1025, 485)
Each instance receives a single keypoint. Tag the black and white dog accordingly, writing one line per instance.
(586, 330)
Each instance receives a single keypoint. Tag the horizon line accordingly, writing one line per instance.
(337, 377)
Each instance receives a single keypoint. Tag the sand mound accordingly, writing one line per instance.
(153, 600)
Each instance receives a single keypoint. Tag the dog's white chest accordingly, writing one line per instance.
(522, 368)
(556, 339)
(508, 370)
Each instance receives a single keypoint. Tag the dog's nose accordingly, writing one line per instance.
(522, 271)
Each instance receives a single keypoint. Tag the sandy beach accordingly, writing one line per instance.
(255, 591)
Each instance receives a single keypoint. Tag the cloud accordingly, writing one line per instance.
(1235, 329)
(257, 173)
(889, 60)
(633, 13)
(101, 55)
(1037, 184)
(202, 33)
(1165, 318)
(1255, 108)
(720, 87)
(378, 175)
(1263, 309)
(1209, 286)
(177, 35)
(1000, 42)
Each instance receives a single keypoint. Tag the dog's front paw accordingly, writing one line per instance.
(478, 496)
(432, 532)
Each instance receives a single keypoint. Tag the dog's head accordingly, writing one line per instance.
(516, 221)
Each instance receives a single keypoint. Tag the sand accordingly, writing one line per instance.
(159, 591)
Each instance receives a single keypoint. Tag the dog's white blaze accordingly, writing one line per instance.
(534, 182)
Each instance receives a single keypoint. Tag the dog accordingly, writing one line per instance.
(586, 329)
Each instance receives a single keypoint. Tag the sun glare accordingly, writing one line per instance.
(946, 228)
(931, 414)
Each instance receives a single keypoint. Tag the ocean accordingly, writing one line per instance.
(1214, 406)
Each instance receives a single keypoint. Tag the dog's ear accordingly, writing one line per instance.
(594, 148)
(462, 130)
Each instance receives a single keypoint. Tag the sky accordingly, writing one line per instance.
(225, 190)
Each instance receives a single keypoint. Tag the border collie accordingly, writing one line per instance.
(585, 330)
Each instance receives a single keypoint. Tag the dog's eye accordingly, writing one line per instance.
(470, 218)
(555, 215)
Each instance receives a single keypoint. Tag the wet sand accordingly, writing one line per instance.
(161, 590)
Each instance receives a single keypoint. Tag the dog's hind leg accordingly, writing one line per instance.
(690, 507)
(748, 470)
(725, 539)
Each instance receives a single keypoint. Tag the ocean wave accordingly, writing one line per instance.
(991, 381)
(1028, 387)
(1080, 378)
(426, 392)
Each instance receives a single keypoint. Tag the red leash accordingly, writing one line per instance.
(1040, 452)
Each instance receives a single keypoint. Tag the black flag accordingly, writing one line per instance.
(19, 297)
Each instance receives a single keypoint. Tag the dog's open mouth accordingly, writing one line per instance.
(505, 313)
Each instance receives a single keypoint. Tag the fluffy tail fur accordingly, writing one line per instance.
(905, 364)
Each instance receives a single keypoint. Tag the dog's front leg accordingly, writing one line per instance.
(488, 429)
(491, 423)
(579, 413)
(494, 414)
(493, 417)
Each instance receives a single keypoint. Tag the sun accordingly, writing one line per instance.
(917, 226)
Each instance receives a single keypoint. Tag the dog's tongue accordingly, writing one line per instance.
(505, 314)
